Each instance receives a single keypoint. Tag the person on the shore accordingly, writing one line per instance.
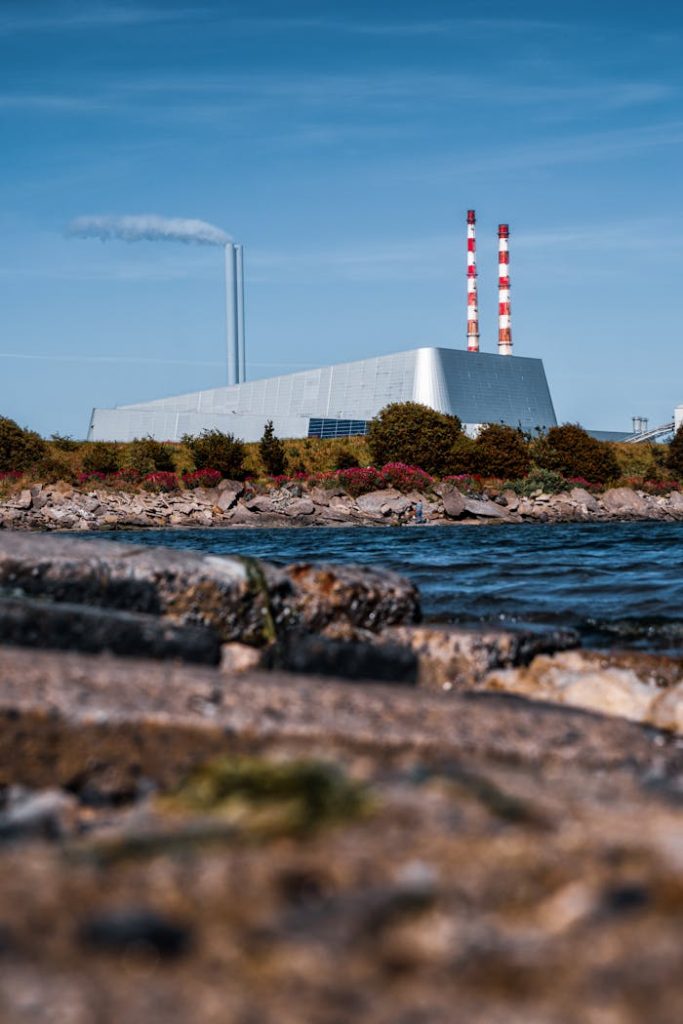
(419, 513)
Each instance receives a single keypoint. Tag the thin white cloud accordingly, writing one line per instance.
(92, 16)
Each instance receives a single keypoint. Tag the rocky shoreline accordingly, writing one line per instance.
(237, 791)
(63, 507)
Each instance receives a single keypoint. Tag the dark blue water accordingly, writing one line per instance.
(617, 583)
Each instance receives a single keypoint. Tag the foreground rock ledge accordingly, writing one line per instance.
(514, 862)
(238, 599)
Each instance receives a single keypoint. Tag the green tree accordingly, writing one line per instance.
(19, 448)
(674, 459)
(272, 451)
(147, 455)
(501, 451)
(345, 459)
(101, 457)
(212, 449)
(571, 451)
(415, 434)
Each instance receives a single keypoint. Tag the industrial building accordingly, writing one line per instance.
(336, 401)
(340, 400)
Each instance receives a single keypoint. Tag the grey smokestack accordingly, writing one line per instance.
(242, 351)
(231, 313)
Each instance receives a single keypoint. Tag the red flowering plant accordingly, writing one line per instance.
(405, 478)
(161, 481)
(360, 480)
(586, 485)
(93, 478)
(659, 486)
(11, 474)
(202, 478)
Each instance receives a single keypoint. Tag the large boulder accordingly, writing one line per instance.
(453, 501)
(640, 687)
(457, 658)
(623, 501)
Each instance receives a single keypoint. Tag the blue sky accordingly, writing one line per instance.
(342, 143)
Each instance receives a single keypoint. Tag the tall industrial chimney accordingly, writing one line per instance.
(472, 304)
(239, 284)
(231, 313)
(504, 328)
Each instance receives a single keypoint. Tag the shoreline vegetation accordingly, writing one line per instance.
(414, 464)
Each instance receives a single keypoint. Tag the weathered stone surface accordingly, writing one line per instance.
(238, 599)
(512, 863)
(453, 501)
(355, 660)
(373, 503)
(624, 501)
(371, 598)
(613, 684)
(485, 509)
(299, 507)
(67, 626)
(452, 658)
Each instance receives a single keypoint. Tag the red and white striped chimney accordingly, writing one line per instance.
(472, 304)
(504, 328)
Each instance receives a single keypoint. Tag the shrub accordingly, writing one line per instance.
(405, 478)
(360, 481)
(160, 482)
(545, 480)
(501, 451)
(674, 459)
(65, 442)
(571, 451)
(345, 459)
(19, 448)
(272, 451)
(461, 460)
(201, 478)
(413, 434)
(100, 457)
(212, 449)
(147, 455)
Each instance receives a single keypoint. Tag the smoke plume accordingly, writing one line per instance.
(149, 228)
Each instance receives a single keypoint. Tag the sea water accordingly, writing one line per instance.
(618, 584)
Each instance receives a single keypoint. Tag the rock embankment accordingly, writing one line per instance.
(61, 507)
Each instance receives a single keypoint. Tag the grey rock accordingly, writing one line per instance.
(320, 495)
(351, 660)
(240, 599)
(453, 502)
(261, 503)
(30, 622)
(299, 507)
(377, 503)
(624, 501)
(582, 497)
(484, 509)
(50, 814)
(226, 498)
(455, 658)
(235, 487)
(369, 598)
(510, 500)
(136, 931)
